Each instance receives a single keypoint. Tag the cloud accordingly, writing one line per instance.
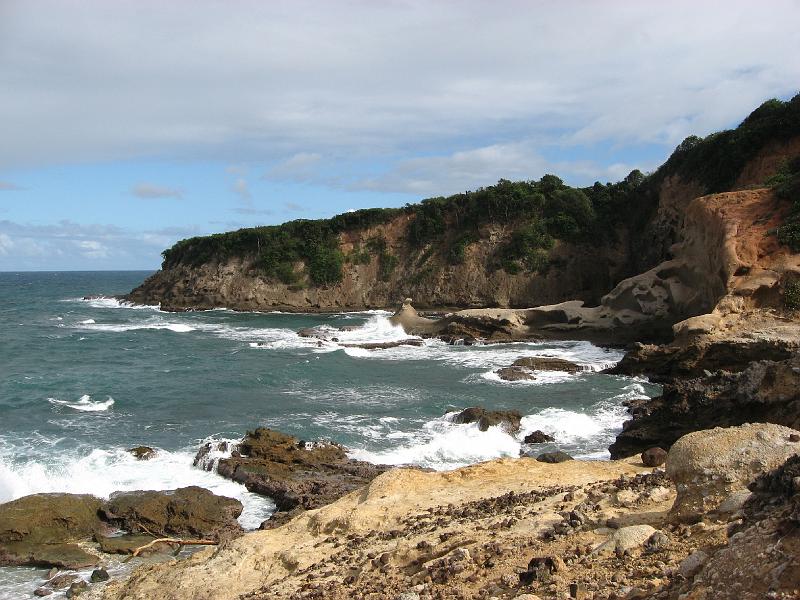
(286, 83)
(301, 167)
(240, 188)
(69, 245)
(148, 191)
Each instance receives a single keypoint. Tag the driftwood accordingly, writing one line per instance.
(179, 541)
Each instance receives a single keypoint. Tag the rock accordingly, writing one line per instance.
(37, 530)
(62, 581)
(708, 466)
(127, 544)
(578, 591)
(407, 596)
(76, 589)
(508, 419)
(42, 592)
(654, 457)
(554, 457)
(734, 502)
(515, 374)
(764, 391)
(99, 575)
(208, 454)
(690, 565)
(143, 452)
(625, 539)
(547, 363)
(538, 437)
(52, 573)
(276, 465)
(190, 511)
(794, 437)
(657, 542)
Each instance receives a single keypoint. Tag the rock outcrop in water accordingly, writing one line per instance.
(295, 474)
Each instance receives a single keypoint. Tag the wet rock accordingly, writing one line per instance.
(303, 476)
(208, 453)
(764, 391)
(42, 591)
(654, 457)
(76, 589)
(508, 419)
(99, 575)
(62, 581)
(538, 437)
(37, 530)
(143, 452)
(127, 544)
(189, 511)
(515, 374)
(554, 457)
(386, 345)
(708, 466)
(547, 363)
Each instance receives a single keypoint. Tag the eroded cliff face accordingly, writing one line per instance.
(575, 272)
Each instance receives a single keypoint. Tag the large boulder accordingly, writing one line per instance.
(709, 466)
(293, 473)
(190, 511)
(508, 419)
(39, 530)
(515, 374)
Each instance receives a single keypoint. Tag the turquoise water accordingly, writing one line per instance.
(83, 380)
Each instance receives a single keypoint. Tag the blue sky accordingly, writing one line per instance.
(129, 125)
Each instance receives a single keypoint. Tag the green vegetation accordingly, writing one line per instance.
(791, 295)
(536, 214)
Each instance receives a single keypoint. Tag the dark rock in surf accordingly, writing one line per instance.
(547, 363)
(143, 452)
(191, 511)
(39, 530)
(515, 374)
(508, 419)
(538, 437)
(296, 475)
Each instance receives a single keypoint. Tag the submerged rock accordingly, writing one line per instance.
(293, 473)
(192, 511)
(143, 452)
(508, 419)
(38, 530)
(538, 437)
(515, 374)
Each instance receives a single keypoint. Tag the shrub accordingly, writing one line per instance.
(791, 295)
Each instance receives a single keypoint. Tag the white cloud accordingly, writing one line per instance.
(280, 82)
(300, 167)
(92, 248)
(241, 189)
(148, 191)
(6, 243)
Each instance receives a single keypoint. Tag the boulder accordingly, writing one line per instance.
(654, 457)
(190, 511)
(554, 457)
(708, 466)
(547, 363)
(626, 539)
(127, 544)
(38, 530)
(99, 575)
(143, 452)
(508, 419)
(515, 374)
(295, 474)
(538, 437)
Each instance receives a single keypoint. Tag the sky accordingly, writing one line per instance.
(129, 125)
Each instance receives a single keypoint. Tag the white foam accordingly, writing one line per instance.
(443, 444)
(84, 404)
(111, 302)
(102, 472)
(88, 322)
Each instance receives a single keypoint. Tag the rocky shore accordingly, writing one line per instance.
(520, 528)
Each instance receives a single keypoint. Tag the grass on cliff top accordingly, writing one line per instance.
(537, 212)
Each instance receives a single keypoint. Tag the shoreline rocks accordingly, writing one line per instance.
(293, 473)
(509, 420)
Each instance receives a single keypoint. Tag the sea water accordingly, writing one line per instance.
(82, 381)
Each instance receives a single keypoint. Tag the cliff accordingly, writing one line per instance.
(613, 262)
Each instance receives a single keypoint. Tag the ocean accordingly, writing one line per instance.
(82, 381)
